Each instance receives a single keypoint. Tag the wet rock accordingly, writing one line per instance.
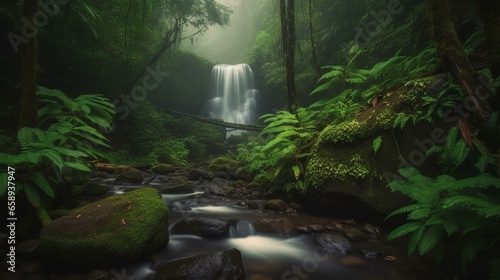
(99, 275)
(196, 174)
(372, 231)
(334, 226)
(242, 203)
(282, 226)
(256, 193)
(223, 167)
(256, 204)
(333, 243)
(276, 205)
(132, 175)
(304, 229)
(163, 168)
(217, 186)
(296, 206)
(105, 232)
(207, 227)
(94, 189)
(220, 265)
(186, 187)
(27, 250)
(355, 234)
(317, 228)
(349, 222)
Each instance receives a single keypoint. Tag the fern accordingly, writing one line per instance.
(376, 144)
(467, 211)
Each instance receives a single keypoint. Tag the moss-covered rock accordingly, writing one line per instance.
(163, 168)
(132, 175)
(93, 189)
(117, 229)
(223, 166)
(343, 167)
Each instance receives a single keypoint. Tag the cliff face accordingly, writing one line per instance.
(346, 171)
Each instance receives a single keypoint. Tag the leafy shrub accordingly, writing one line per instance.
(69, 139)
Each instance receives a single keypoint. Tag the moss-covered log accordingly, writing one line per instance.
(451, 51)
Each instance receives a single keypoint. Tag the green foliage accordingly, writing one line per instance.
(334, 109)
(341, 77)
(280, 154)
(62, 147)
(464, 212)
(376, 144)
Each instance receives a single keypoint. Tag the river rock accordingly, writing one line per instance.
(217, 186)
(185, 187)
(276, 205)
(117, 229)
(99, 275)
(220, 265)
(208, 227)
(333, 243)
(132, 175)
(256, 204)
(283, 226)
(28, 249)
(372, 231)
(355, 234)
(163, 168)
(196, 174)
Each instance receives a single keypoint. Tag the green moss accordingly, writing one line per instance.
(163, 168)
(117, 229)
(346, 131)
(385, 119)
(222, 164)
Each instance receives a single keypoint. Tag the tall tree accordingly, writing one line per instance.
(287, 17)
(29, 82)
(490, 10)
(313, 45)
(452, 53)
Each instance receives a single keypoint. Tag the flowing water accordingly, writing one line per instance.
(234, 94)
(271, 256)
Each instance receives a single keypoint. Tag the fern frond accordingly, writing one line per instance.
(39, 180)
(77, 165)
(432, 236)
(376, 144)
(404, 230)
(405, 209)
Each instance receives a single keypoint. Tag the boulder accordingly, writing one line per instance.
(333, 243)
(196, 174)
(186, 187)
(355, 234)
(217, 186)
(220, 265)
(132, 175)
(223, 167)
(93, 189)
(117, 229)
(257, 204)
(283, 226)
(163, 168)
(276, 205)
(207, 227)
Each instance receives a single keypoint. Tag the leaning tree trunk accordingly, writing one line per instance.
(313, 45)
(452, 53)
(490, 10)
(29, 82)
(287, 15)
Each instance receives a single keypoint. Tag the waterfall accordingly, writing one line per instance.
(243, 228)
(234, 96)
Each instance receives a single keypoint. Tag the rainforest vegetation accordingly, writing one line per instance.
(382, 111)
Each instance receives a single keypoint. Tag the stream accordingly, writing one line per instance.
(270, 256)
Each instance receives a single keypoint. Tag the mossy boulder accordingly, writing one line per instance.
(163, 168)
(93, 189)
(223, 167)
(114, 230)
(347, 175)
(131, 175)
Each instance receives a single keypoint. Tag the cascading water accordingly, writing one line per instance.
(243, 228)
(234, 94)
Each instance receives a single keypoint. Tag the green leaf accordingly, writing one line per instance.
(405, 209)
(376, 144)
(432, 237)
(32, 194)
(404, 230)
(39, 180)
(296, 171)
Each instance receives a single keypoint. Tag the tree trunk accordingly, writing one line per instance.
(451, 51)
(287, 15)
(490, 10)
(29, 82)
(313, 45)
